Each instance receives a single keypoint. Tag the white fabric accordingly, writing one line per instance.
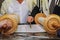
(6, 4)
(20, 10)
(45, 7)
(12, 6)
(31, 4)
(50, 2)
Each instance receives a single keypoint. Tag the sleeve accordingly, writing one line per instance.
(2, 9)
(35, 11)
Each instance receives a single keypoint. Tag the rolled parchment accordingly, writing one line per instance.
(14, 23)
(39, 15)
(51, 23)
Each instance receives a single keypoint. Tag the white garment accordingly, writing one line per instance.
(6, 4)
(45, 6)
(20, 10)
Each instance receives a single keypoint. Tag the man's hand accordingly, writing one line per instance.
(30, 19)
(5, 24)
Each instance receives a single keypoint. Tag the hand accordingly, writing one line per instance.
(30, 19)
(5, 24)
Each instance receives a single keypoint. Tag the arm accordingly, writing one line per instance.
(33, 13)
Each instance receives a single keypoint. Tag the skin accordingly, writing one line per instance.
(20, 1)
(5, 25)
(30, 19)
